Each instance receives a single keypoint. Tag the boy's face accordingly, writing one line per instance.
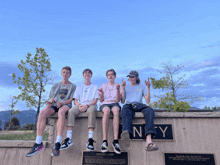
(132, 79)
(110, 76)
(65, 74)
(87, 75)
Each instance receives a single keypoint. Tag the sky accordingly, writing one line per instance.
(124, 35)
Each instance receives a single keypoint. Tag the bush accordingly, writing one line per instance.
(181, 106)
(28, 127)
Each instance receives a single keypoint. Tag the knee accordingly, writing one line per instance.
(42, 115)
(106, 112)
(92, 110)
(61, 113)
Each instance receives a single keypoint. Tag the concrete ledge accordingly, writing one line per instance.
(19, 144)
(159, 115)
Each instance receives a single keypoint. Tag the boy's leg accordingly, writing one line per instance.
(72, 113)
(149, 128)
(41, 124)
(127, 117)
(115, 144)
(91, 111)
(105, 122)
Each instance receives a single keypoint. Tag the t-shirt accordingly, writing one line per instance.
(134, 94)
(86, 93)
(110, 93)
(62, 92)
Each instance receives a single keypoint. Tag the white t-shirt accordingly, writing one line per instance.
(86, 93)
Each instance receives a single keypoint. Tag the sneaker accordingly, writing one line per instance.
(56, 150)
(35, 149)
(125, 137)
(116, 148)
(104, 147)
(89, 144)
(66, 144)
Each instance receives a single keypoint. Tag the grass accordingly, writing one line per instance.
(25, 136)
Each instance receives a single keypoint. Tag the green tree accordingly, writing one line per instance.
(13, 112)
(172, 82)
(36, 76)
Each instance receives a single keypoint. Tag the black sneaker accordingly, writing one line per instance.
(104, 147)
(116, 148)
(35, 149)
(56, 150)
(89, 144)
(66, 144)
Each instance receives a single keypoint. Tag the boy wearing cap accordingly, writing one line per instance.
(61, 95)
(133, 94)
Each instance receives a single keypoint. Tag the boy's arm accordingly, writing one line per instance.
(118, 96)
(123, 84)
(76, 102)
(93, 102)
(147, 96)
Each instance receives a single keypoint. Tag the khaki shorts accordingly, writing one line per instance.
(91, 112)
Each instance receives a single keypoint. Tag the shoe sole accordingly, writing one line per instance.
(125, 138)
(117, 152)
(66, 147)
(53, 154)
(35, 153)
(89, 149)
(104, 150)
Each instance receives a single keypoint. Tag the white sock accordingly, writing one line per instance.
(91, 134)
(59, 138)
(69, 134)
(38, 139)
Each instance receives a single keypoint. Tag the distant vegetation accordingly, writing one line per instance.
(25, 136)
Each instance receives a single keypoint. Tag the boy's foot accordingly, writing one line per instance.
(116, 148)
(152, 147)
(104, 147)
(66, 144)
(35, 149)
(125, 137)
(89, 144)
(56, 150)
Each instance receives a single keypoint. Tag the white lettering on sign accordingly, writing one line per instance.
(135, 130)
(164, 131)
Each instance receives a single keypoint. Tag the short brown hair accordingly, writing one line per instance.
(111, 70)
(67, 68)
(87, 70)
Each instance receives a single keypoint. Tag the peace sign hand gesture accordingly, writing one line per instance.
(148, 83)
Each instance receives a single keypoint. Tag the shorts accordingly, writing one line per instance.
(110, 106)
(57, 109)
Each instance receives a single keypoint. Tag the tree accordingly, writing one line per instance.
(36, 76)
(171, 83)
(13, 112)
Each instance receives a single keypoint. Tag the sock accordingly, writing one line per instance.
(38, 139)
(115, 141)
(69, 134)
(91, 134)
(59, 138)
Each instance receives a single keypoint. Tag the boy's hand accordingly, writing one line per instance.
(148, 83)
(83, 108)
(123, 84)
(59, 104)
(117, 86)
(101, 91)
(49, 102)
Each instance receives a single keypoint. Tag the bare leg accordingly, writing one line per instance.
(105, 122)
(61, 119)
(115, 111)
(41, 124)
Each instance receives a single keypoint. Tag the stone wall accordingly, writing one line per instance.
(193, 132)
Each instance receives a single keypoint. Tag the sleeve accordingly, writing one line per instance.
(73, 90)
(96, 92)
(52, 91)
(144, 89)
(77, 93)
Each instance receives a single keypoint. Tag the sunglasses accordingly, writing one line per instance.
(131, 77)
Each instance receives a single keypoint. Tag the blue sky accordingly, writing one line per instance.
(123, 35)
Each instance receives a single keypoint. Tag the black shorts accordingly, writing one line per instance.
(110, 106)
(57, 109)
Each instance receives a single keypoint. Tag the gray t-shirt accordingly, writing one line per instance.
(134, 94)
(62, 92)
